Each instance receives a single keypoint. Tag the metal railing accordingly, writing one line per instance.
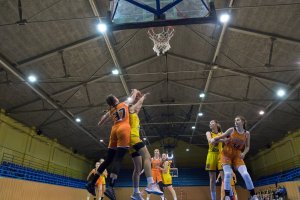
(27, 160)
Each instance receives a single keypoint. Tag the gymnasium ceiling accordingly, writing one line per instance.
(62, 47)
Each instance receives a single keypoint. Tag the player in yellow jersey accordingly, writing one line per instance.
(139, 152)
(101, 182)
(213, 156)
(233, 154)
(166, 176)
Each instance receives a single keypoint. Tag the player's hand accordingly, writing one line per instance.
(242, 156)
(134, 90)
(213, 141)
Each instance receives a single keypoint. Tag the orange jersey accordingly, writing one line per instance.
(120, 114)
(156, 172)
(155, 163)
(235, 144)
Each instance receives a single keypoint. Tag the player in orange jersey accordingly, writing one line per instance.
(156, 171)
(119, 141)
(234, 151)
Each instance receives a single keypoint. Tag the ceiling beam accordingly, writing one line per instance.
(61, 92)
(274, 106)
(164, 104)
(227, 69)
(211, 71)
(43, 95)
(231, 98)
(110, 48)
(57, 50)
(264, 34)
(104, 103)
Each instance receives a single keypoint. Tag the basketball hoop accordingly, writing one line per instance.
(161, 40)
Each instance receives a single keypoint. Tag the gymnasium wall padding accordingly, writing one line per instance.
(281, 156)
(22, 145)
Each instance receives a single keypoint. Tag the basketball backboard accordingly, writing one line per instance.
(151, 13)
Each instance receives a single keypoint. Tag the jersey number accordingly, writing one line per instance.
(120, 114)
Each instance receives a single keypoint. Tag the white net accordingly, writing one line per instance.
(161, 40)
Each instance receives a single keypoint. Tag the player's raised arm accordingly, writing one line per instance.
(103, 119)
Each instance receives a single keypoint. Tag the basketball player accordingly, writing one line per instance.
(233, 192)
(118, 144)
(234, 152)
(90, 176)
(156, 172)
(139, 152)
(101, 183)
(166, 176)
(213, 163)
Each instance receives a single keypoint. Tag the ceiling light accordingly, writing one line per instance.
(193, 127)
(102, 27)
(200, 114)
(101, 140)
(32, 78)
(115, 72)
(187, 149)
(144, 139)
(78, 119)
(202, 95)
(280, 92)
(224, 18)
(261, 112)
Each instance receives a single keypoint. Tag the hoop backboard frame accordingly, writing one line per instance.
(131, 14)
(174, 172)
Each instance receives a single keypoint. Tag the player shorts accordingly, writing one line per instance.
(233, 160)
(156, 175)
(213, 162)
(119, 136)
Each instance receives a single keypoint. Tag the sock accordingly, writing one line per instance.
(231, 193)
(112, 181)
(162, 197)
(252, 192)
(213, 195)
(150, 180)
(136, 190)
(227, 193)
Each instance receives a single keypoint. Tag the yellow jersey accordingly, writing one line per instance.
(134, 125)
(103, 179)
(166, 176)
(215, 148)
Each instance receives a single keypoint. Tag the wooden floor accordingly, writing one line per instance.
(13, 189)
